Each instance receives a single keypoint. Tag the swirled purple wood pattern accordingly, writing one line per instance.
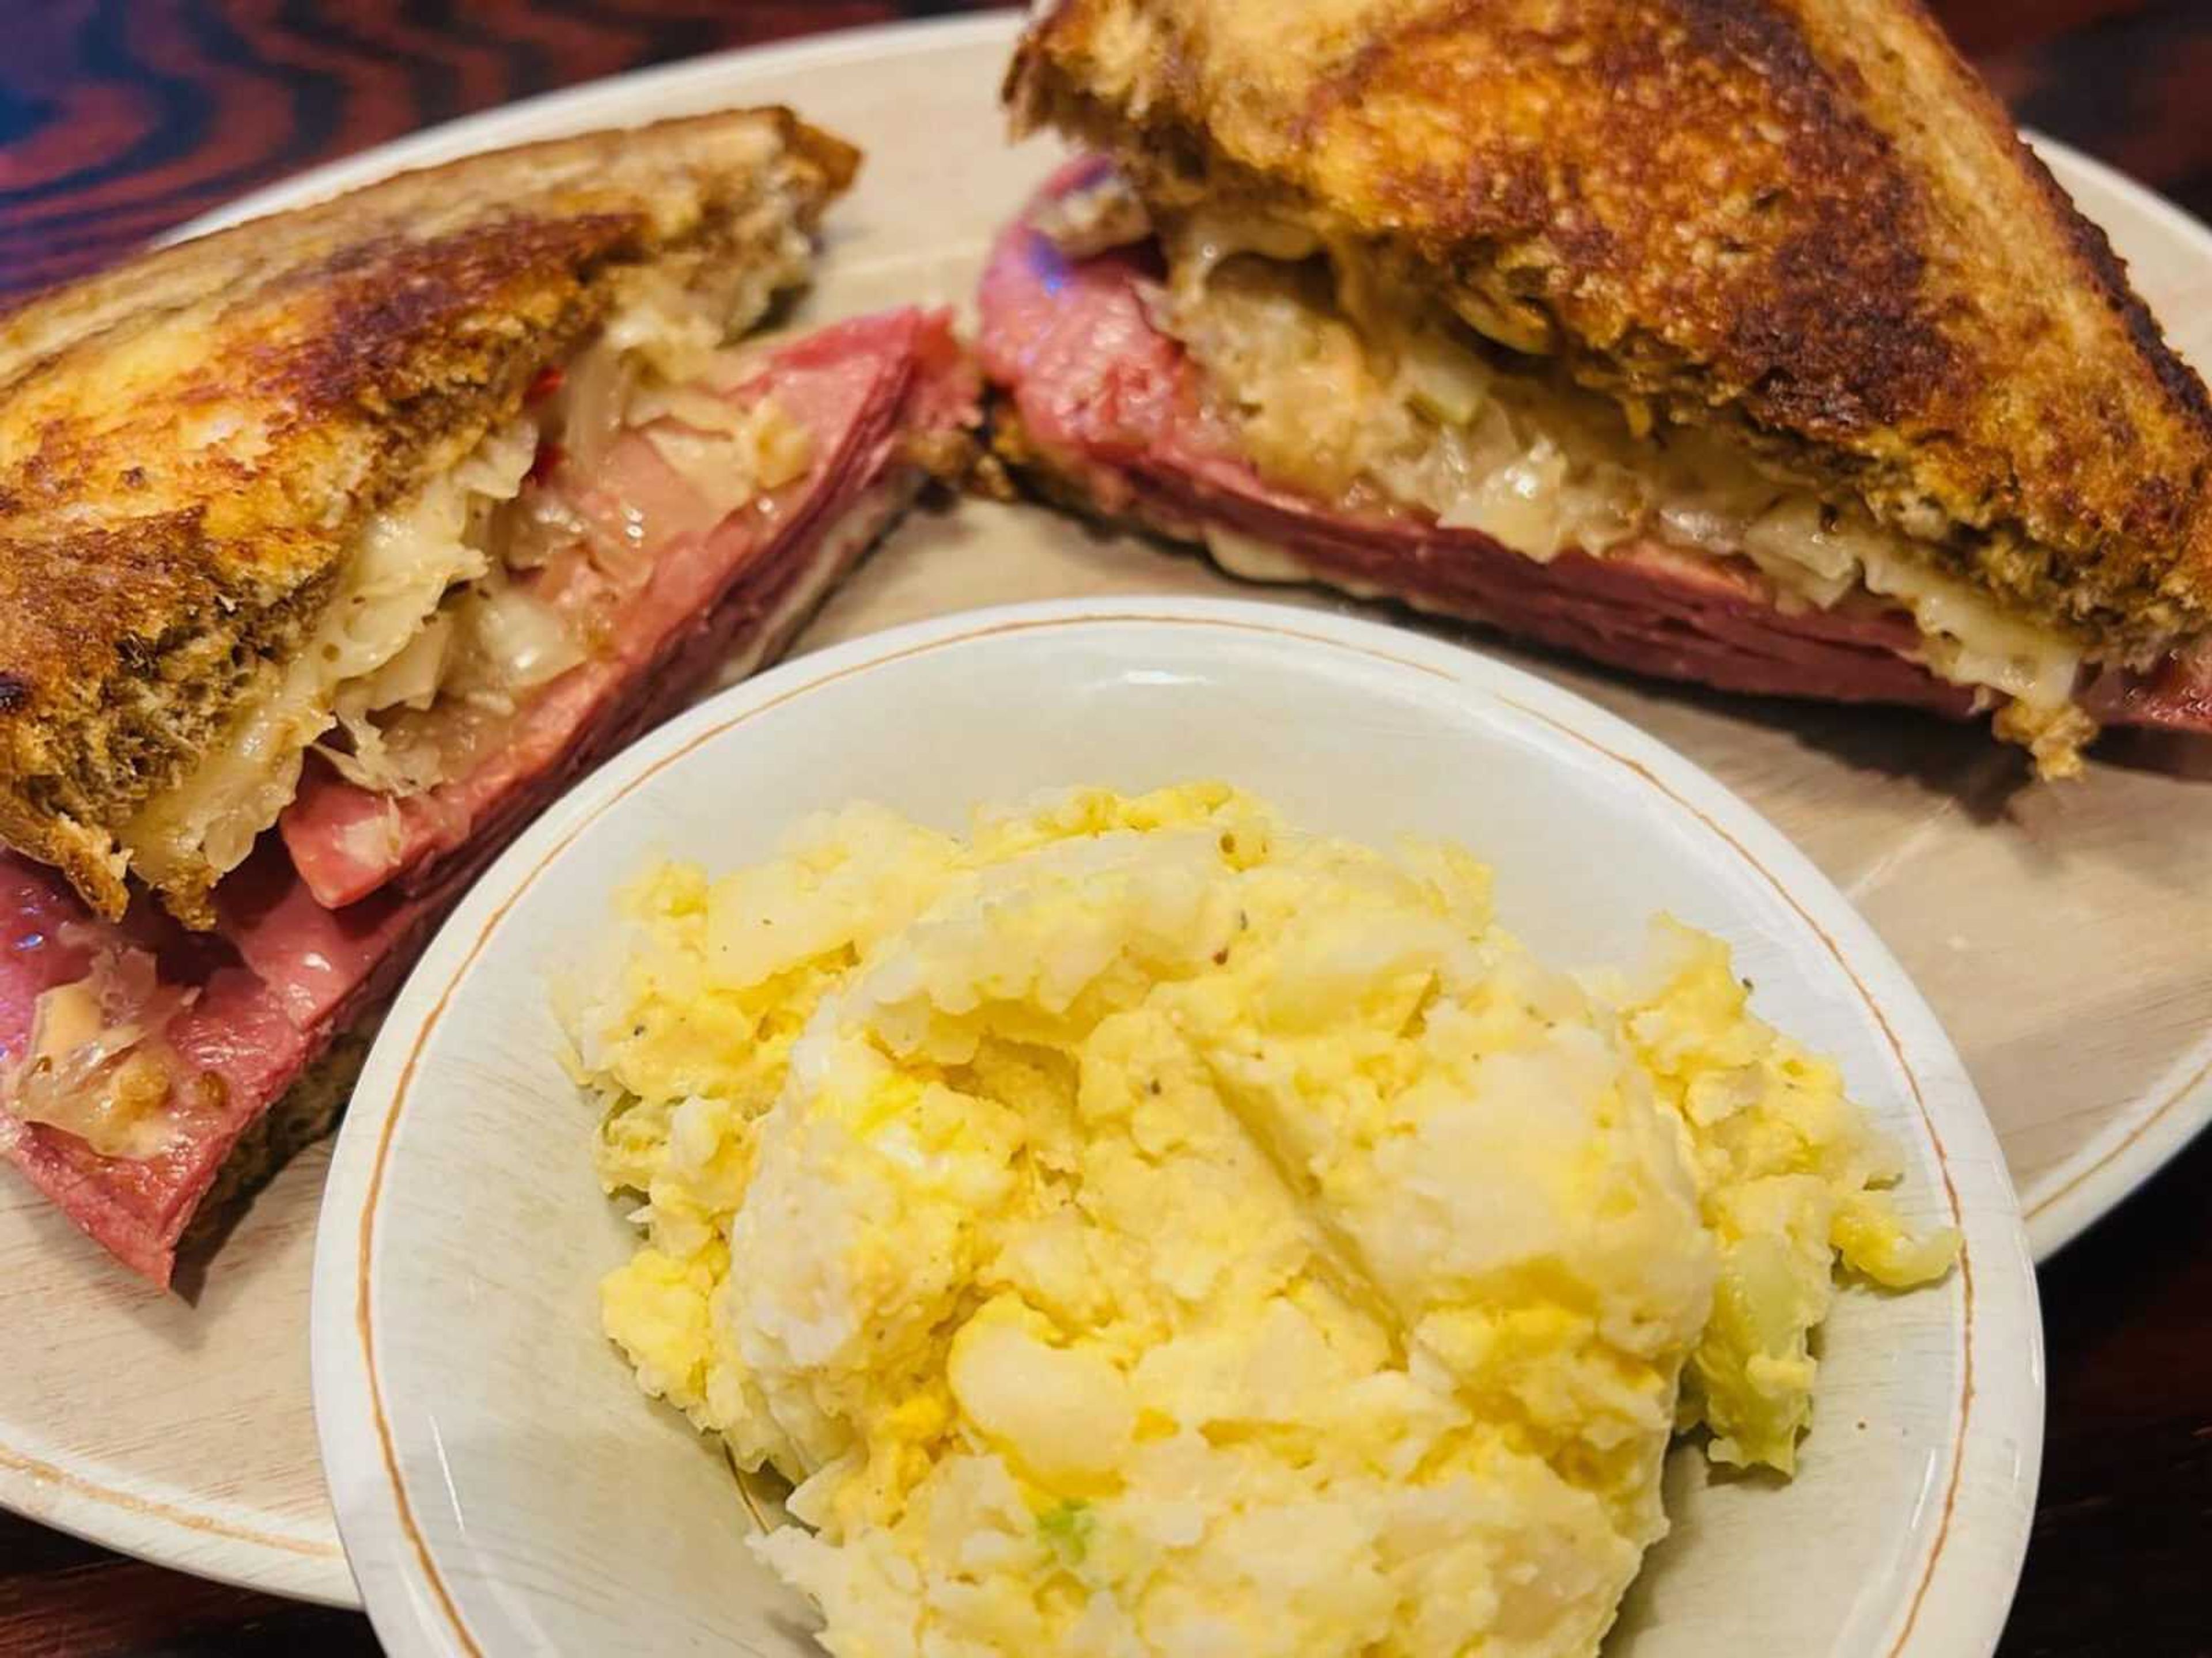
(120, 119)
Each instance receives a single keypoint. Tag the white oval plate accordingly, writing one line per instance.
(502, 1485)
(183, 1434)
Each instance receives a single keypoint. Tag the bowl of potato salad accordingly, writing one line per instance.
(1170, 1127)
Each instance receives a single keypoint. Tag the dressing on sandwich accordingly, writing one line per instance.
(460, 603)
(1365, 396)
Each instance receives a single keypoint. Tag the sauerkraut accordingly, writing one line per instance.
(98, 1064)
(1370, 398)
(444, 615)
(406, 560)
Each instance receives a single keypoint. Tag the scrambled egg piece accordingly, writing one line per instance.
(1139, 1227)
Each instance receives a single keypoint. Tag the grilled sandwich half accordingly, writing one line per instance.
(1740, 343)
(222, 467)
(334, 545)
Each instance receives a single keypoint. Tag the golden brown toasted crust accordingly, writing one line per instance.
(1805, 222)
(189, 443)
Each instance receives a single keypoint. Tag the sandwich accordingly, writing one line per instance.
(1745, 345)
(332, 546)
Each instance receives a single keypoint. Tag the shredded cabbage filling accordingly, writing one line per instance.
(1372, 398)
(459, 605)
(98, 1063)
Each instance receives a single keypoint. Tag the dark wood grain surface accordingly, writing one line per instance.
(120, 117)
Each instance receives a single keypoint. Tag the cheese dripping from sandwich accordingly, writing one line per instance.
(448, 611)
(1355, 391)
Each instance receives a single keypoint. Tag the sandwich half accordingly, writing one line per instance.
(1741, 344)
(333, 546)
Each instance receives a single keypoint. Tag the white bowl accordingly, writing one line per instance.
(502, 1486)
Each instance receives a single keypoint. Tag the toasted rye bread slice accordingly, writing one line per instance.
(190, 443)
(1805, 223)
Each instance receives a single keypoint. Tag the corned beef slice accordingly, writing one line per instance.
(313, 931)
(238, 1029)
(856, 388)
(1112, 405)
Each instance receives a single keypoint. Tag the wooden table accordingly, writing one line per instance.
(119, 118)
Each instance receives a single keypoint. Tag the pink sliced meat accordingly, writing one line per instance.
(1114, 404)
(289, 965)
(858, 389)
(2176, 695)
(236, 1031)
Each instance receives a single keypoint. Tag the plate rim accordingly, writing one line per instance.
(2069, 1197)
(89, 1499)
(192, 1536)
(1963, 1596)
